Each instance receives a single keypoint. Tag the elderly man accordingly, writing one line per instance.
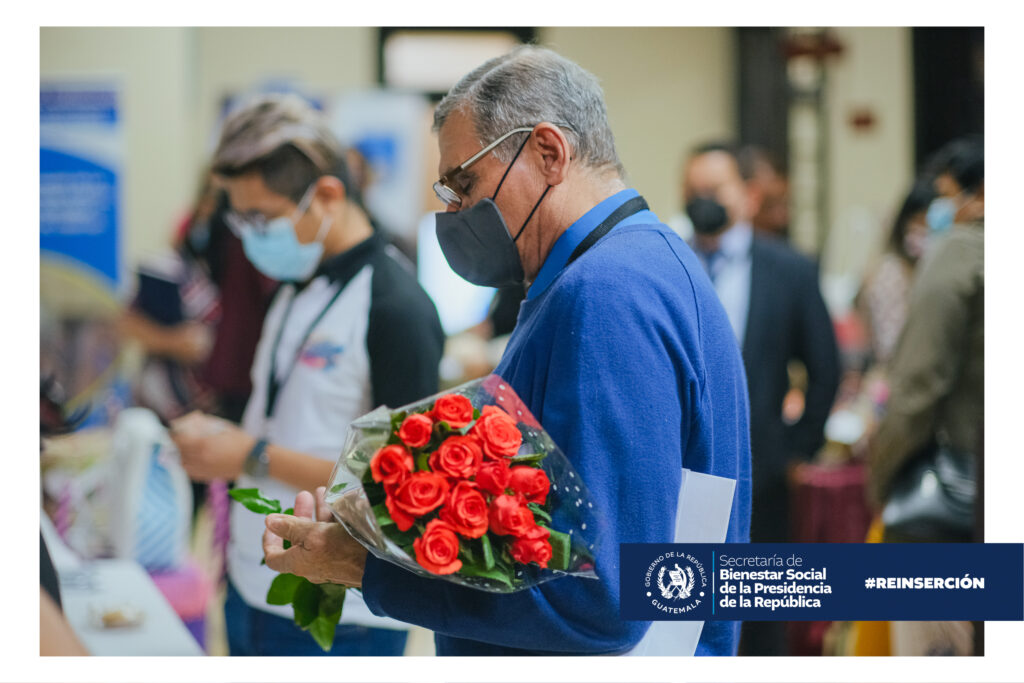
(621, 350)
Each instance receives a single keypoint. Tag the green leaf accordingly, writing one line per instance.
(486, 552)
(401, 538)
(289, 511)
(466, 553)
(380, 511)
(306, 603)
(503, 558)
(255, 501)
(397, 419)
(560, 550)
(332, 600)
(333, 591)
(422, 461)
(322, 631)
(282, 589)
(338, 487)
(538, 511)
(528, 458)
(374, 492)
(476, 414)
(493, 573)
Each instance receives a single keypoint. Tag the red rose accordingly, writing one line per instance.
(415, 430)
(531, 482)
(508, 516)
(437, 550)
(493, 476)
(466, 510)
(498, 433)
(391, 465)
(454, 409)
(526, 550)
(402, 520)
(458, 457)
(419, 494)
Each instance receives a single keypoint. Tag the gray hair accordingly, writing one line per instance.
(525, 87)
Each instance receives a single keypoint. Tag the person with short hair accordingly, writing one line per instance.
(349, 329)
(774, 304)
(621, 351)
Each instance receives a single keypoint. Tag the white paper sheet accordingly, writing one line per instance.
(702, 516)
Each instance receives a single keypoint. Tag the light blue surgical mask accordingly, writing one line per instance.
(276, 251)
(941, 213)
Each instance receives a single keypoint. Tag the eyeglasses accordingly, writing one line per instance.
(443, 189)
(257, 221)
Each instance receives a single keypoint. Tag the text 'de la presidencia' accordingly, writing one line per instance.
(822, 581)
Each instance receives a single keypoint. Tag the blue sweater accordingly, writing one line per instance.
(627, 359)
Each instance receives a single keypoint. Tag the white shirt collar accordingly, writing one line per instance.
(735, 242)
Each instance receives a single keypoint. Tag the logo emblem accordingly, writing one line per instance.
(680, 583)
(322, 355)
(676, 582)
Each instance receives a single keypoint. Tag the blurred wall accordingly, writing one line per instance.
(870, 168)
(324, 61)
(667, 89)
(158, 99)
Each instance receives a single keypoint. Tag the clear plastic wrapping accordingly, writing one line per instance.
(437, 474)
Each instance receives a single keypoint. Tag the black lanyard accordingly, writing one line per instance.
(273, 384)
(633, 206)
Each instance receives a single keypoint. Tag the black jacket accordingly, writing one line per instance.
(787, 320)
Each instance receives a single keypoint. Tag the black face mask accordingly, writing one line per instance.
(478, 245)
(707, 215)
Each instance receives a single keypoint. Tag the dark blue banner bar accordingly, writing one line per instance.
(823, 581)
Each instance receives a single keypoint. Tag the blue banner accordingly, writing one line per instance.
(822, 581)
(80, 157)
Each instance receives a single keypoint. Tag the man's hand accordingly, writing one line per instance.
(211, 448)
(322, 552)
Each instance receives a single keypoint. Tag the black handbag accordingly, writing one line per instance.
(933, 498)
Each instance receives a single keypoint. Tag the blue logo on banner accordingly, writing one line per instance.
(822, 581)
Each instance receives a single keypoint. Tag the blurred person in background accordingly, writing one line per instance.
(173, 316)
(349, 329)
(765, 178)
(936, 372)
(771, 295)
(197, 313)
(886, 290)
(245, 295)
(937, 380)
(56, 636)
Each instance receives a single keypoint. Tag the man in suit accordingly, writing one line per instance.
(771, 295)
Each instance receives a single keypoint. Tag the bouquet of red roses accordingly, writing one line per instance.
(465, 485)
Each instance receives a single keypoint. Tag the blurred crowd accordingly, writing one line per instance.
(846, 413)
